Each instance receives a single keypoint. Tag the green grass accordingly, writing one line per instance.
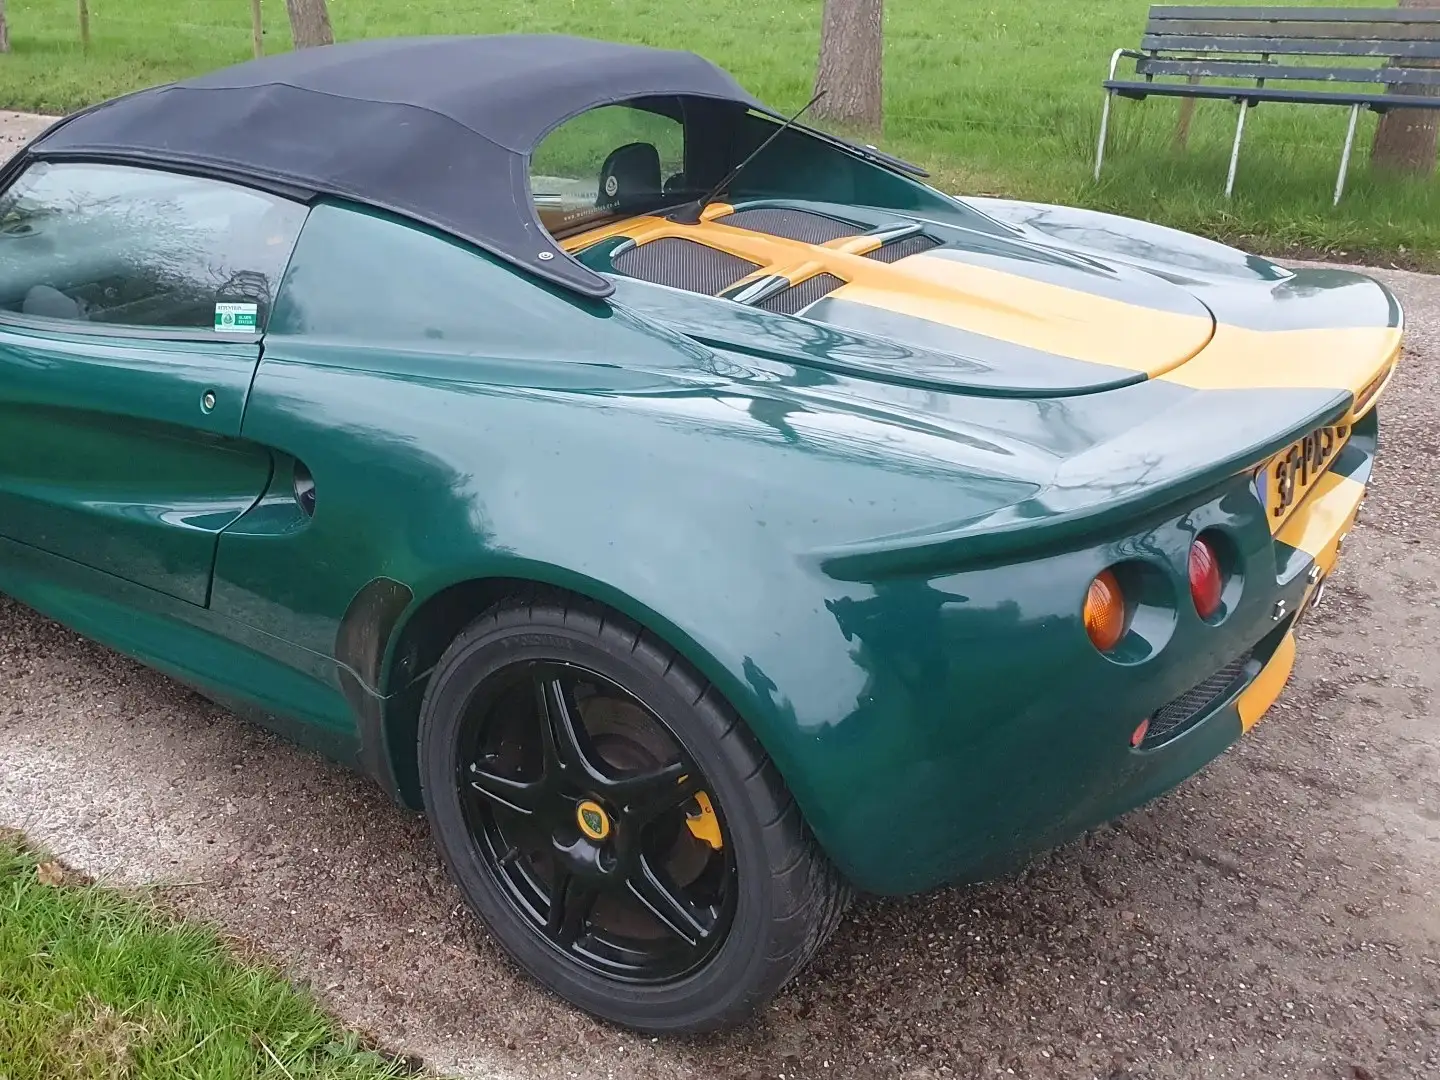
(96, 985)
(995, 96)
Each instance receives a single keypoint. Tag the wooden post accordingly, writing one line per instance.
(257, 28)
(1187, 113)
(4, 30)
(84, 25)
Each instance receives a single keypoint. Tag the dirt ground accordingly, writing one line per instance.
(1277, 916)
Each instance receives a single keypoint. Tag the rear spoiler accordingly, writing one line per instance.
(1112, 488)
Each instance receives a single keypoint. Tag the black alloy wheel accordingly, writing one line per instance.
(595, 822)
(612, 821)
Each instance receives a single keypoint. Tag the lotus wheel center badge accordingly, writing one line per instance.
(594, 822)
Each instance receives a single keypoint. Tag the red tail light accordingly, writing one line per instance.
(1206, 582)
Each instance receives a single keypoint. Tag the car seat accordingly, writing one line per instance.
(629, 177)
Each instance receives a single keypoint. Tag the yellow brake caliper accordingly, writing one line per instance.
(702, 822)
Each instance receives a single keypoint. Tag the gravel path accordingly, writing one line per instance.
(1278, 916)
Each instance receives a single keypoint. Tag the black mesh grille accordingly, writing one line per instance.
(791, 224)
(1195, 702)
(683, 264)
(911, 245)
(789, 301)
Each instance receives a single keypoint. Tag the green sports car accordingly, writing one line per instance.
(698, 515)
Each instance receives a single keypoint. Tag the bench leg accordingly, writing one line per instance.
(1345, 157)
(1104, 130)
(1235, 151)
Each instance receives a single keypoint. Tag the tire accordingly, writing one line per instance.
(767, 897)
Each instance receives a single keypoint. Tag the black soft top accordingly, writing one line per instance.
(438, 129)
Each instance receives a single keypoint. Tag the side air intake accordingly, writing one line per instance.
(798, 297)
(799, 225)
(683, 264)
(900, 249)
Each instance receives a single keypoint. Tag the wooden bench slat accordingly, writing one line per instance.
(1129, 88)
(1197, 42)
(1294, 14)
(1240, 69)
(1415, 50)
(1368, 31)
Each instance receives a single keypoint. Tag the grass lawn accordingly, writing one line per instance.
(95, 984)
(995, 96)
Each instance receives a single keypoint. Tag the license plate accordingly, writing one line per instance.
(1290, 474)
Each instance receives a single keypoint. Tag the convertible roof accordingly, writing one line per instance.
(436, 128)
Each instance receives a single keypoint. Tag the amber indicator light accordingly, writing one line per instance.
(1105, 611)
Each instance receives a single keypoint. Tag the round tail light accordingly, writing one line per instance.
(1206, 582)
(1105, 612)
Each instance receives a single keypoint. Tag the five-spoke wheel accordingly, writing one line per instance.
(614, 823)
(596, 822)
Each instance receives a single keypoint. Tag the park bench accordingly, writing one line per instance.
(1328, 47)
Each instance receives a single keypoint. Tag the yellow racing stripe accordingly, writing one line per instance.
(1341, 359)
(1186, 349)
(1257, 698)
(651, 227)
(1327, 513)
(1024, 311)
(1009, 307)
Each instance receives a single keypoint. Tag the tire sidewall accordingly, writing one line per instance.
(729, 980)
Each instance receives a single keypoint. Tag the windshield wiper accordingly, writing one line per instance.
(689, 214)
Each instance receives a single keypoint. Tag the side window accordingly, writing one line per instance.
(361, 275)
(616, 159)
(373, 281)
(138, 247)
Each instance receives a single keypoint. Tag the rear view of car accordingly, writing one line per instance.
(698, 516)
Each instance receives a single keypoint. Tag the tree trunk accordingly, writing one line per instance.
(4, 30)
(257, 28)
(851, 62)
(309, 23)
(1405, 138)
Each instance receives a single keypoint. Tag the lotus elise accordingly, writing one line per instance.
(700, 517)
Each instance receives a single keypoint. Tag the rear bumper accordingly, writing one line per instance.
(1314, 537)
(1017, 769)
(1307, 550)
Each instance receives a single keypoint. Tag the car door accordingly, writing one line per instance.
(131, 306)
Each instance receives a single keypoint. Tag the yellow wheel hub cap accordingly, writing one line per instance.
(593, 820)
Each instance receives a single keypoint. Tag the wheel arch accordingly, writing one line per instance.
(433, 620)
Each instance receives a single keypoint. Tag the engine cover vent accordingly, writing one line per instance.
(799, 225)
(683, 264)
(798, 297)
(911, 245)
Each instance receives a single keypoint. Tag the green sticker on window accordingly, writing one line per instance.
(236, 318)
